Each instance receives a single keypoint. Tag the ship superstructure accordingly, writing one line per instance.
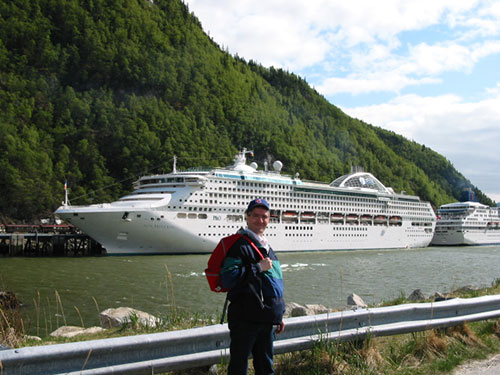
(467, 223)
(190, 211)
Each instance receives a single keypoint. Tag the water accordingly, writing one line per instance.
(57, 291)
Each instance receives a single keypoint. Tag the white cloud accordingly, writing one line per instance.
(435, 59)
(494, 91)
(381, 81)
(380, 71)
(485, 23)
(278, 33)
(467, 133)
(281, 42)
(283, 32)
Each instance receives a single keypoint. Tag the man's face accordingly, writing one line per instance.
(257, 220)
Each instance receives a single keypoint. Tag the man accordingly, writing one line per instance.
(253, 274)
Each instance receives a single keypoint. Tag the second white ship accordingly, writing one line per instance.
(467, 223)
(190, 211)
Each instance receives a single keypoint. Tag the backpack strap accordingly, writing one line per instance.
(252, 288)
(254, 246)
(224, 309)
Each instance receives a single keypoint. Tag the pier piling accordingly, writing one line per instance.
(48, 244)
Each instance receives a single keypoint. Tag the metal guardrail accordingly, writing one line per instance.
(176, 350)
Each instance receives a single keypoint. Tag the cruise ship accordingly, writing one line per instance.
(467, 223)
(190, 211)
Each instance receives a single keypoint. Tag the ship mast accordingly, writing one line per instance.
(66, 200)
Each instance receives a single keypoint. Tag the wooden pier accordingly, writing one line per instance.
(54, 240)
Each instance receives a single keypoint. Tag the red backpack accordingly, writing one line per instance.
(216, 260)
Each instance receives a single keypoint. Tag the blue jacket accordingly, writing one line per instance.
(254, 295)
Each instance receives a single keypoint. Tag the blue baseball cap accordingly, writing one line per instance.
(259, 202)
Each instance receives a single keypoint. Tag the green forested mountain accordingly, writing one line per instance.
(98, 92)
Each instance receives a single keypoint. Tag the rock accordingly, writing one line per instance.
(33, 338)
(298, 310)
(66, 331)
(416, 295)
(293, 309)
(71, 331)
(126, 315)
(356, 301)
(289, 307)
(316, 309)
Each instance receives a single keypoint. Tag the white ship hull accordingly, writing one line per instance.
(467, 223)
(189, 212)
(151, 234)
(469, 238)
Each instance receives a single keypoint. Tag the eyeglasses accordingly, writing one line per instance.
(257, 216)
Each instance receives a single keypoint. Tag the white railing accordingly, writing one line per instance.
(176, 350)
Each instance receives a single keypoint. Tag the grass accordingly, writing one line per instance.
(428, 352)
(12, 326)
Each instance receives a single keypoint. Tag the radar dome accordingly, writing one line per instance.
(253, 165)
(277, 165)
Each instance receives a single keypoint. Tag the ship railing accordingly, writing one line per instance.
(185, 349)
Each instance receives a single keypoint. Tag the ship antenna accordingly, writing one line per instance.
(174, 169)
(66, 200)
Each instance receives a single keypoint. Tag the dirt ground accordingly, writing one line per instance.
(489, 366)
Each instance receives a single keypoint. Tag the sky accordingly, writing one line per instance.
(426, 69)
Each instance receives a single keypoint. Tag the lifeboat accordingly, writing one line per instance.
(380, 219)
(395, 220)
(275, 216)
(307, 216)
(336, 217)
(366, 219)
(352, 218)
(290, 217)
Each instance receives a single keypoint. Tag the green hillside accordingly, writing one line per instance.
(99, 92)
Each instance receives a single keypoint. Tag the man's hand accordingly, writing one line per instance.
(265, 264)
(280, 327)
